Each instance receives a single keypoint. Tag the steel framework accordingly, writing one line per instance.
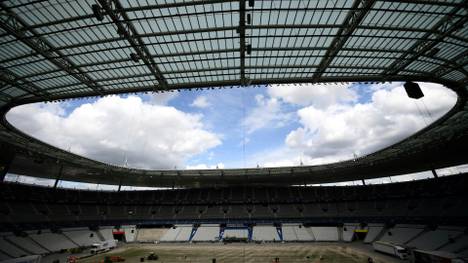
(54, 50)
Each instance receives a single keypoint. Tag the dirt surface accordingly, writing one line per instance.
(248, 253)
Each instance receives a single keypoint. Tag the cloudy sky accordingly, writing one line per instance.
(278, 125)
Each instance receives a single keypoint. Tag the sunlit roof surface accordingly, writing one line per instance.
(52, 49)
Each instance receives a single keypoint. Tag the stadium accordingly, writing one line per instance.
(67, 51)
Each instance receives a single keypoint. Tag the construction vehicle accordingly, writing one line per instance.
(152, 256)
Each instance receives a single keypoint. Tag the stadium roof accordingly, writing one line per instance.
(51, 50)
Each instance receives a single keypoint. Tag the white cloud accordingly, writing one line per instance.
(162, 98)
(390, 117)
(267, 114)
(340, 130)
(200, 102)
(149, 135)
(205, 166)
(318, 95)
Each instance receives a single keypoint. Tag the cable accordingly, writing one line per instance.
(243, 126)
(427, 111)
(421, 113)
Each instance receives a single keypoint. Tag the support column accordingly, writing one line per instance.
(59, 177)
(6, 158)
(4, 170)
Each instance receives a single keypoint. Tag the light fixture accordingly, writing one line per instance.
(97, 12)
(134, 57)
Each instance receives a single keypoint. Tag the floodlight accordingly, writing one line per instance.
(134, 57)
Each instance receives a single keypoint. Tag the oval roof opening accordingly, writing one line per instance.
(261, 126)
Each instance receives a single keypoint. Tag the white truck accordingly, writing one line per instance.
(103, 246)
(391, 249)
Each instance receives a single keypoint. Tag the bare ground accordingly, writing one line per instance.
(246, 253)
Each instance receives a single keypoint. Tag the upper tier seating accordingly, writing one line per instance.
(399, 200)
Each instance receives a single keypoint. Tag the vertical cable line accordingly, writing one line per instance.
(421, 113)
(242, 41)
(243, 127)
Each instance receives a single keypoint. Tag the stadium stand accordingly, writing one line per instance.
(296, 232)
(62, 51)
(53, 241)
(3, 256)
(184, 233)
(207, 232)
(400, 234)
(150, 234)
(235, 233)
(178, 233)
(170, 234)
(81, 236)
(27, 244)
(348, 232)
(312, 207)
(325, 233)
(436, 238)
(456, 245)
(265, 233)
(105, 233)
(11, 250)
(130, 233)
(374, 231)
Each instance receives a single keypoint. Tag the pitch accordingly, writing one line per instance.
(248, 253)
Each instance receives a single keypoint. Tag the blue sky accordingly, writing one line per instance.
(276, 125)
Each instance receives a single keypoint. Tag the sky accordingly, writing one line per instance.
(261, 126)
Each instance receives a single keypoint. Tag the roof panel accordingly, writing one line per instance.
(191, 42)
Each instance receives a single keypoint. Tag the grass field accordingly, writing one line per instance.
(248, 253)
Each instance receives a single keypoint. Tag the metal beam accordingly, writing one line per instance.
(12, 79)
(446, 26)
(242, 43)
(115, 11)
(214, 12)
(17, 27)
(218, 29)
(456, 62)
(233, 83)
(351, 22)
